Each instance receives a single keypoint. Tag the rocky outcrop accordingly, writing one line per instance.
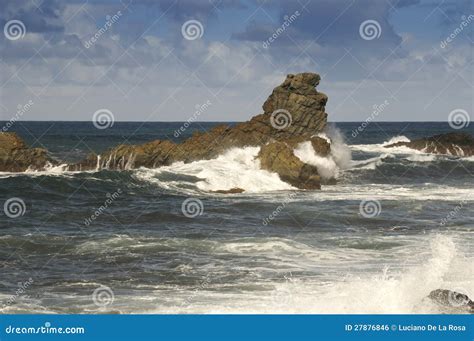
(453, 299)
(458, 144)
(278, 157)
(16, 156)
(293, 113)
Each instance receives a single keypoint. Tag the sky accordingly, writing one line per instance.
(218, 60)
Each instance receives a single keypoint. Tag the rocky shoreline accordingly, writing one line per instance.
(456, 144)
(294, 113)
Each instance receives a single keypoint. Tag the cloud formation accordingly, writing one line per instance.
(142, 67)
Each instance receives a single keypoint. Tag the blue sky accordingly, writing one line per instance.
(143, 68)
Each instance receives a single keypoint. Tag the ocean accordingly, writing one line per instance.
(397, 225)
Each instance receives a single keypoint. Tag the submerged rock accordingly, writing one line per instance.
(459, 144)
(452, 299)
(16, 156)
(234, 190)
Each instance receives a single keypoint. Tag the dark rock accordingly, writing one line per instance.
(16, 156)
(234, 190)
(459, 144)
(320, 146)
(452, 299)
(278, 157)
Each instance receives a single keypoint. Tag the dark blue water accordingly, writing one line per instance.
(269, 249)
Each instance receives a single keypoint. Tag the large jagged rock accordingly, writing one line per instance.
(16, 156)
(293, 113)
(459, 144)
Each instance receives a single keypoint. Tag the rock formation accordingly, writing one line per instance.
(292, 114)
(459, 144)
(16, 156)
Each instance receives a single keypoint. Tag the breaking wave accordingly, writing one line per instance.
(238, 167)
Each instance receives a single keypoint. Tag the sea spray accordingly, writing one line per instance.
(235, 168)
(328, 166)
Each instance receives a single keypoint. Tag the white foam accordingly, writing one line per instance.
(329, 166)
(421, 158)
(238, 167)
(400, 286)
(371, 163)
(396, 139)
(381, 148)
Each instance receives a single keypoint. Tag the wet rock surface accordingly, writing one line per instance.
(452, 299)
(458, 144)
(16, 156)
